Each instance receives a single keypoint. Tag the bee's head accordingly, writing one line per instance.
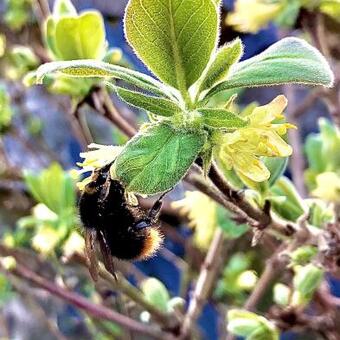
(98, 179)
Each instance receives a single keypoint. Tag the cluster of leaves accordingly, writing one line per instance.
(237, 280)
(323, 176)
(70, 36)
(184, 126)
(187, 123)
(251, 16)
(50, 229)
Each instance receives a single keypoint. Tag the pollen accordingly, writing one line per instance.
(152, 243)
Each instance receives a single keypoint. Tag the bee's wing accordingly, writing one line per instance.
(90, 249)
(107, 257)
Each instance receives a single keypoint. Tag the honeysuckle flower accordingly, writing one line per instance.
(328, 187)
(45, 240)
(75, 243)
(97, 157)
(201, 211)
(242, 149)
(252, 15)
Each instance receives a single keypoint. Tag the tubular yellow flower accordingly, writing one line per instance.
(328, 187)
(242, 149)
(99, 156)
(252, 15)
(201, 211)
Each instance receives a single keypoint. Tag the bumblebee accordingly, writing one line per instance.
(121, 230)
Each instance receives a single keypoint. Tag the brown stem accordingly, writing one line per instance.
(238, 199)
(167, 320)
(96, 311)
(205, 282)
(115, 117)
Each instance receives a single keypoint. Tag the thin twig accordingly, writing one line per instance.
(167, 320)
(205, 282)
(96, 311)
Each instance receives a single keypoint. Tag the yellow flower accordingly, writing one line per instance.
(252, 15)
(100, 156)
(328, 187)
(74, 244)
(45, 240)
(242, 149)
(201, 211)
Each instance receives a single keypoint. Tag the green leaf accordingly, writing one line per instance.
(277, 166)
(315, 154)
(63, 7)
(98, 69)
(220, 118)
(157, 158)
(156, 105)
(80, 37)
(52, 187)
(174, 38)
(307, 279)
(156, 293)
(225, 57)
(290, 60)
(230, 228)
(49, 36)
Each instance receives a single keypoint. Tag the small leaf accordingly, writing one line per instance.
(231, 229)
(156, 293)
(174, 38)
(156, 159)
(225, 57)
(49, 36)
(277, 166)
(80, 37)
(220, 118)
(63, 7)
(306, 280)
(156, 105)
(290, 60)
(94, 68)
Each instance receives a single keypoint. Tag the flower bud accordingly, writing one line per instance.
(306, 280)
(282, 294)
(156, 293)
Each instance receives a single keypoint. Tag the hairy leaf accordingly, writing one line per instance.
(225, 57)
(156, 105)
(157, 159)
(221, 118)
(94, 68)
(174, 38)
(290, 60)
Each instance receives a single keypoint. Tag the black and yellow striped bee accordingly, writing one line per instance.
(122, 230)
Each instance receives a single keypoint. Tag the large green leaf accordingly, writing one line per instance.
(290, 60)
(80, 37)
(156, 105)
(98, 69)
(174, 38)
(155, 160)
(221, 118)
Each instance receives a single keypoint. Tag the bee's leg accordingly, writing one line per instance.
(90, 250)
(107, 257)
(155, 211)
